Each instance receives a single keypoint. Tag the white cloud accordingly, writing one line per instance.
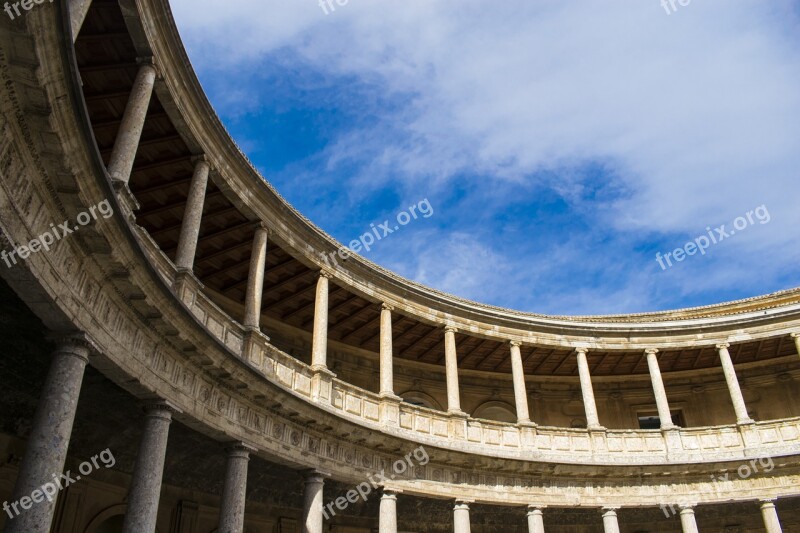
(697, 112)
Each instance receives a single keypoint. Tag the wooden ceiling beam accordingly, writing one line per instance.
(149, 142)
(310, 304)
(100, 67)
(439, 331)
(357, 314)
(118, 121)
(169, 207)
(223, 251)
(162, 163)
(561, 363)
(363, 326)
(543, 361)
(395, 324)
(272, 288)
(207, 216)
(337, 307)
(490, 354)
(468, 354)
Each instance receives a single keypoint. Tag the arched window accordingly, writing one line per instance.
(496, 410)
(422, 399)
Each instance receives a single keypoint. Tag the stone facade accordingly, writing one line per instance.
(288, 420)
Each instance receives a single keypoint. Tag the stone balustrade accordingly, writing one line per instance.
(485, 437)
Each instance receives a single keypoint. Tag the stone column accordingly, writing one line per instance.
(461, 517)
(592, 420)
(130, 131)
(49, 438)
(658, 388)
(518, 376)
(255, 279)
(451, 370)
(192, 215)
(77, 14)
(387, 521)
(387, 371)
(312, 503)
(610, 524)
(796, 337)
(733, 385)
(535, 519)
(145, 488)
(770, 514)
(234, 491)
(319, 346)
(688, 522)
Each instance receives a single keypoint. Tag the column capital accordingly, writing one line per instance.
(687, 506)
(767, 502)
(450, 329)
(325, 273)
(315, 476)
(795, 335)
(78, 339)
(202, 159)
(463, 504)
(723, 346)
(390, 494)
(536, 509)
(651, 351)
(260, 225)
(582, 349)
(160, 408)
(149, 61)
(239, 448)
(386, 307)
(516, 344)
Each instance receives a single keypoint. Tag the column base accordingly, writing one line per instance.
(322, 384)
(527, 424)
(596, 428)
(324, 370)
(745, 422)
(389, 409)
(457, 413)
(125, 197)
(390, 397)
(255, 330)
(670, 427)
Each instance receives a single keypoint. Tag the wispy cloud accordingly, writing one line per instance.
(610, 129)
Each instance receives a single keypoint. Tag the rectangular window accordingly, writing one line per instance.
(650, 420)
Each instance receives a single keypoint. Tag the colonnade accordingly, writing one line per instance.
(51, 433)
(49, 439)
(52, 425)
(120, 165)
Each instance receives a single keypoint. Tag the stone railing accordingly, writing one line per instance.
(483, 437)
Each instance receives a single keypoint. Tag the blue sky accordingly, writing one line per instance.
(561, 144)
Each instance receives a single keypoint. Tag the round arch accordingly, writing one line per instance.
(415, 397)
(496, 410)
